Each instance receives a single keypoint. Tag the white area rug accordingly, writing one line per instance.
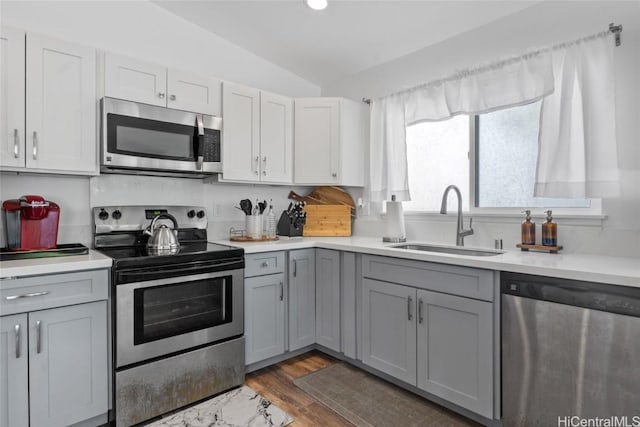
(241, 407)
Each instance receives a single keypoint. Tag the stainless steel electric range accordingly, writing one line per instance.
(178, 318)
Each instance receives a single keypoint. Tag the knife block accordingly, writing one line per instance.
(286, 228)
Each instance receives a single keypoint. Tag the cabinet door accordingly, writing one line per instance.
(11, 97)
(317, 133)
(61, 106)
(302, 298)
(389, 329)
(328, 298)
(14, 379)
(68, 374)
(133, 80)
(191, 92)
(264, 317)
(276, 138)
(455, 350)
(240, 133)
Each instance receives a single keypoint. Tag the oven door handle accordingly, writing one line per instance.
(195, 270)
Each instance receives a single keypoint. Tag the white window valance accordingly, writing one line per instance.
(515, 81)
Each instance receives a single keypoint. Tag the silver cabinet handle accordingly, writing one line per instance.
(161, 95)
(295, 268)
(265, 264)
(334, 175)
(409, 304)
(17, 329)
(264, 166)
(420, 318)
(33, 294)
(172, 97)
(257, 165)
(35, 145)
(281, 290)
(16, 144)
(38, 337)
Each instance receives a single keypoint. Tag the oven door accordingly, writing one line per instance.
(145, 137)
(164, 316)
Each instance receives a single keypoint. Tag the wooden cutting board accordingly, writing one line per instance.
(325, 196)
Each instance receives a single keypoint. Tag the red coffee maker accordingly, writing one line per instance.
(31, 223)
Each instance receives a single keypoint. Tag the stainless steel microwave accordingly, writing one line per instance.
(149, 140)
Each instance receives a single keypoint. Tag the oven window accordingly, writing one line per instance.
(150, 138)
(170, 310)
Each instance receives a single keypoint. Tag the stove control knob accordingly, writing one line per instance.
(103, 215)
(191, 213)
(200, 214)
(116, 215)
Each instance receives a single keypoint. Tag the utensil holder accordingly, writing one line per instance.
(253, 225)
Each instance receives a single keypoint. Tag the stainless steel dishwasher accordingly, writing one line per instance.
(569, 349)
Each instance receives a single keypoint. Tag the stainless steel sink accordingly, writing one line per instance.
(447, 249)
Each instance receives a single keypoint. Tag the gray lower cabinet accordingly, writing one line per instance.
(431, 334)
(302, 298)
(54, 358)
(14, 377)
(264, 321)
(67, 364)
(65, 352)
(455, 350)
(389, 329)
(328, 298)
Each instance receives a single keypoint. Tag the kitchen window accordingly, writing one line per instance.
(492, 159)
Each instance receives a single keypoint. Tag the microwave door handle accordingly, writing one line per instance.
(200, 153)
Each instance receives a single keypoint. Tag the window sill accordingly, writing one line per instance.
(506, 218)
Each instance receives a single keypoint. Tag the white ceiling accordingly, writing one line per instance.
(345, 38)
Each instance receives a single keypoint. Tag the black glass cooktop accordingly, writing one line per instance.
(138, 256)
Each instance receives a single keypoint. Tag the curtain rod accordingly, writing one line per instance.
(615, 29)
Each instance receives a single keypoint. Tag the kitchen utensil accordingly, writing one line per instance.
(163, 240)
(246, 206)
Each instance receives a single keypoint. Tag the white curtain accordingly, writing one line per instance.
(506, 83)
(577, 156)
(577, 141)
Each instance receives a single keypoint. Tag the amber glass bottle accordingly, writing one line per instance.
(549, 231)
(528, 229)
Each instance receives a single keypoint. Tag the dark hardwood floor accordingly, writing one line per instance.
(275, 383)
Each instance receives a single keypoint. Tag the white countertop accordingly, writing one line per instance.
(593, 268)
(30, 267)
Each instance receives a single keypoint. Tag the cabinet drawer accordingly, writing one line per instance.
(454, 280)
(263, 263)
(41, 292)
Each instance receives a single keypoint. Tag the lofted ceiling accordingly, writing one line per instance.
(347, 37)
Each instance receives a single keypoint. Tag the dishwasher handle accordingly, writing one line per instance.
(591, 295)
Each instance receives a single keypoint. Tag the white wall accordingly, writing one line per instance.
(143, 30)
(544, 24)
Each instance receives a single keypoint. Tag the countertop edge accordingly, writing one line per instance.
(39, 266)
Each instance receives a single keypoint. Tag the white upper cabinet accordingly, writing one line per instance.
(276, 138)
(257, 135)
(61, 106)
(329, 141)
(148, 83)
(12, 42)
(133, 80)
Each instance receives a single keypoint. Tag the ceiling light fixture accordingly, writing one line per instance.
(317, 4)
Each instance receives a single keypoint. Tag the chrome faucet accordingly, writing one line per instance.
(460, 232)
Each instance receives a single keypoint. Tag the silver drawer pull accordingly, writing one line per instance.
(420, 318)
(281, 291)
(265, 264)
(17, 329)
(409, 303)
(33, 294)
(38, 336)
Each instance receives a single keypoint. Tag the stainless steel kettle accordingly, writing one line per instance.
(163, 240)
